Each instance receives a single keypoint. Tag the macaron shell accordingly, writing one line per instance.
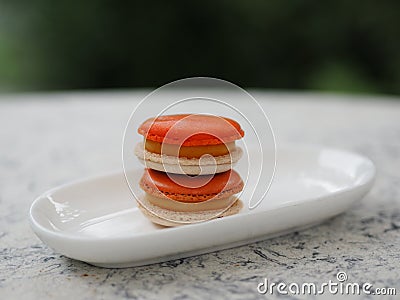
(191, 130)
(207, 187)
(187, 169)
(190, 166)
(169, 218)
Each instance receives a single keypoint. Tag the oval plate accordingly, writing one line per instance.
(96, 220)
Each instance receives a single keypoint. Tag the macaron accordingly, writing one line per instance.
(190, 144)
(176, 199)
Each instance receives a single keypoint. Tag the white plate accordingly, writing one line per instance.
(96, 220)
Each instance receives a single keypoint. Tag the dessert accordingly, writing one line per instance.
(188, 176)
(189, 144)
(179, 199)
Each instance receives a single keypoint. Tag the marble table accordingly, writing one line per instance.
(51, 138)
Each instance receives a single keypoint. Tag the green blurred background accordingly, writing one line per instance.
(349, 46)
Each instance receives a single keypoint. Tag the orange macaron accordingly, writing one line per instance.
(173, 199)
(190, 143)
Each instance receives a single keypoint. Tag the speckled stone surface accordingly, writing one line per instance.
(50, 139)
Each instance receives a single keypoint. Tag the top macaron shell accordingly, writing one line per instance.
(220, 185)
(191, 130)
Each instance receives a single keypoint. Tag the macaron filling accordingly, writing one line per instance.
(212, 204)
(188, 151)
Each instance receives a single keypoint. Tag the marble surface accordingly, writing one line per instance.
(50, 139)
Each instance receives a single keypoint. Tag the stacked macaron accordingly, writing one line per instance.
(188, 176)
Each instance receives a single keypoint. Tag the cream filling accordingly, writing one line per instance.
(188, 151)
(212, 204)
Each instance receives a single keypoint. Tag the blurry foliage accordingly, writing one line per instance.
(327, 45)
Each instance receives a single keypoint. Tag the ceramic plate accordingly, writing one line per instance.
(96, 220)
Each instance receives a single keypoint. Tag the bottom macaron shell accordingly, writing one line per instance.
(188, 170)
(170, 218)
(189, 166)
